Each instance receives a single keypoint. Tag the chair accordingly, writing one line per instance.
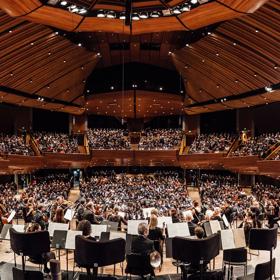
(196, 251)
(138, 265)
(262, 272)
(91, 254)
(27, 275)
(264, 239)
(30, 244)
(234, 257)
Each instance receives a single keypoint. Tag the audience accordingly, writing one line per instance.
(108, 139)
(211, 143)
(12, 144)
(56, 143)
(160, 139)
(257, 146)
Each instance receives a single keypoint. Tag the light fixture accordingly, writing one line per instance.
(111, 14)
(63, 3)
(112, 88)
(122, 15)
(143, 15)
(101, 14)
(194, 2)
(186, 8)
(80, 44)
(176, 11)
(135, 16)
(155, 14)
(268, 89)
(82, 11)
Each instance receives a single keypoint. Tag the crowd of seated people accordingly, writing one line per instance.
(111, 139)
(257, 146)
(160, 139)
(12, 144)
(56, 142)
(211, 143)
(131, 193)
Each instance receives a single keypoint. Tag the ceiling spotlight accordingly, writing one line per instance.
(135, 16)
(80, 44)
(176, 11)
(112, 88)
(143, 15)
(160, 88)
(63, 3)
(82, 11)
(268, 89)
(111, 14)
(101, 14)
(194, 1)
(155, 14)
(122, 15)
(185, 8)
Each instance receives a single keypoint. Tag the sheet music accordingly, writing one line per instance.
(69, 214)
(226, 222)
(239, 237)
(227, 239)
(117, 234)
(215, 226)
(18, 228)
(97, 229)
(70, 239)
(13, 213)
(147, 212)
(178, 229)
(166, 220)
(57, 226)
(132, 226)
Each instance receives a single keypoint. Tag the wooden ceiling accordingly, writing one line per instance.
(134, 104)
(204, 15)
(240, 56)
(38, 63)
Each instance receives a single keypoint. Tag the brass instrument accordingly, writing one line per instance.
(155, 259)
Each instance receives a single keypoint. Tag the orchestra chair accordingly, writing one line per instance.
(196, 251)
(91, 254)
(262, 272)
(264, 239)
(30, 244)
(19, 274)
(139, 265)
(234, 257)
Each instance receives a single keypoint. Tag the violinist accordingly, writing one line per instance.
(116, 217)
(40, 217)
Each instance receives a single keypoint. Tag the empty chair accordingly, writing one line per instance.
(138, 264)
(32, 244)
(262, 272)
(91, 254)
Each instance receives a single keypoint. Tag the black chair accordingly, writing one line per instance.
(234, 257)
(27, 275)
(91, 254)
(262, 272)
(264, 239)
(138, 265)
(31, 244)
(196, 251)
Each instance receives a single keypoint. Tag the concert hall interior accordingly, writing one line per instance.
(139, 138)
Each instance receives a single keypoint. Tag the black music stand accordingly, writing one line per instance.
(264, 240)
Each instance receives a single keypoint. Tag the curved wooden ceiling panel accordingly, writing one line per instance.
(204, 15)
(240, 56)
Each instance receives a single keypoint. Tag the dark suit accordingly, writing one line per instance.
(142, 245)
(89, 215)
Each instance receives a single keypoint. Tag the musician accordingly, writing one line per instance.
(44, 258)
(85, 227)
(59, 216)
(89, 213)
(217, 214)
(174, 216)
(199, 232)
(81, 209)
(40, 217)
(197, 213)
(60, 202)
(115, 217)
(189, 219)
(157, 235)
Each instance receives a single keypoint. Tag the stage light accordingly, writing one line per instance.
(135, 16)
(155, 14)
(186, 8)
(111, 14)
(268, 89)
(82, 11)
(101, 14)
(176, 11)
(143, 15)
(194, 2)
(63, 3)
(122, 15)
